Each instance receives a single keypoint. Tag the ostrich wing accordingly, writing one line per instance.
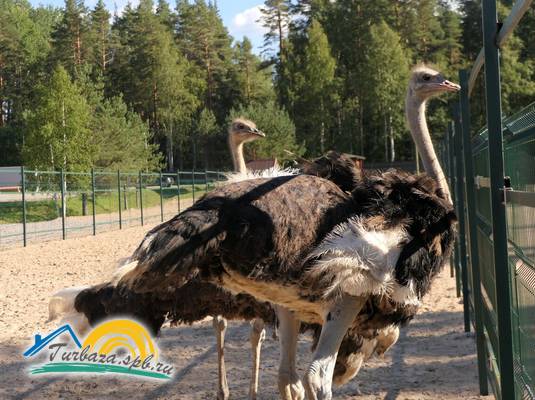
(262, 228)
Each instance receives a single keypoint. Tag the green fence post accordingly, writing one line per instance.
(23, 184)
(472, 235)
(93, 200)
(448, 171)
(178, 188)
(454, 198)
(461, 214)
(62, 183)
(193, 184)
(161, 196)
(119, 198)
(141, 197)
(499, 225)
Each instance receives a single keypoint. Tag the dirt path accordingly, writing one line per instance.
(433, 359)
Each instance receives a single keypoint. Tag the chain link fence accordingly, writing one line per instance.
(37, 206)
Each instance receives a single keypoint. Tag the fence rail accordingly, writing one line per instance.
(493, 172)
(47, 205)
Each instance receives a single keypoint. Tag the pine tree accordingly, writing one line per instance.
(204, 39)
(315, 91)
(206, 129)
(157, 81)
(472, 30)
(165, 15)
(70, 39)
(57, 130)
(386, 72)
(276, 19)
(450, 47)
(121, 140)
(100, 37)
(253, 81)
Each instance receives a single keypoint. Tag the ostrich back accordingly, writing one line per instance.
(267, 232)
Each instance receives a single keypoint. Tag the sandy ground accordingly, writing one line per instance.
(434, 358)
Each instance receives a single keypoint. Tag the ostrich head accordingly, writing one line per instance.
(242, 131)
(425, 82)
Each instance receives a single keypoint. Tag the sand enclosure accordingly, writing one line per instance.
(434, 358)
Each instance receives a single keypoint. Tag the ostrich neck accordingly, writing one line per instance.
(415, 110)
(237, 156)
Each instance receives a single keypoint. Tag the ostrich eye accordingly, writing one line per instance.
(426, 77)
(241, 126)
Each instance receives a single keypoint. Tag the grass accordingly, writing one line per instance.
(105, 203)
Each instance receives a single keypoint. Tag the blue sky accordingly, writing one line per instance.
(239, 16)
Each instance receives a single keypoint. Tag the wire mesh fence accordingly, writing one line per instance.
(484, 288)
(37, 206)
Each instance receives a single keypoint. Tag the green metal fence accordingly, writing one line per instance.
(49, 205)
(492, 172)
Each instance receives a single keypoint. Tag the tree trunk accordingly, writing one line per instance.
(209, 85)
(170, 154)
(248, 81)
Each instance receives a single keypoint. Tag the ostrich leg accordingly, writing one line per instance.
(338, 318)
(258, 334)
(220, 327)
(290, 385)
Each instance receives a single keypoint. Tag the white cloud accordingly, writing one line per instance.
(246, 23)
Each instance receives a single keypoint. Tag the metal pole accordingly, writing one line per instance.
(193, 183)
(206, 181)
(23, 184)
(472, 235)
(454, 198)
(62, 182)
(161, 196)
(178, 188)
(141, 197)
(461, 214)
(499, 224)
(119, 198)
(93, 201)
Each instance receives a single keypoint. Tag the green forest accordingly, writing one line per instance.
(155, 86)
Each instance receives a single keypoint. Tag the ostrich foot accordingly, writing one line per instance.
(291, 388)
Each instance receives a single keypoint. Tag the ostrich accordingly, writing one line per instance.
(285, 240)
(190, 303)
(319, 254)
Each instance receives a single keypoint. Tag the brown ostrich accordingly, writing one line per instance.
(356, 261)
(302, 243)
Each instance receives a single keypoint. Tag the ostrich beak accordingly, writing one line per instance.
(449, 86)
(257, 132)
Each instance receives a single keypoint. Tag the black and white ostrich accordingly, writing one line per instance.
(188, 304)
(321, 255)
(318, 253)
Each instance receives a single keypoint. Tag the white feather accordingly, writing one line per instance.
(273, 172)
(360, 261)
(62, 302)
